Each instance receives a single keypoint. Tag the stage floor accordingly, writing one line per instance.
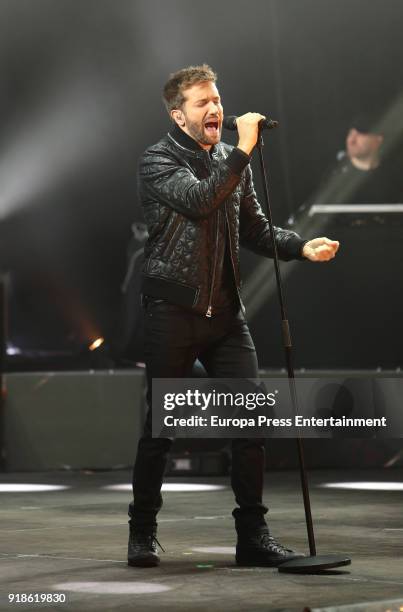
(74, 541)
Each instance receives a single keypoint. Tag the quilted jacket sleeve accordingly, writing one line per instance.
(162, 177)
(254, 232)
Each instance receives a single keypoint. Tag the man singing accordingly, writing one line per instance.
(200, 205)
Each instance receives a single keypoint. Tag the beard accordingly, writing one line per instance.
(196, 130)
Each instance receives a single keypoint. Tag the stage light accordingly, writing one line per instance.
(69, 132)
(30, 488)
(177, 487)
(364, 486)
(112, 588)
(12, 350)
(192, 487)
(215, 550)
(96, 344)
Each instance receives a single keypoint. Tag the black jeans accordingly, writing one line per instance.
(174, 339)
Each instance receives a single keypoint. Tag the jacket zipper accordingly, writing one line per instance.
(217, 218)
(210, 306)
(232, 259)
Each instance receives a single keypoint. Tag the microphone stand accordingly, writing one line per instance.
(313, 563)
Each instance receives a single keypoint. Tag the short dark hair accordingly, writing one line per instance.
(173, 95)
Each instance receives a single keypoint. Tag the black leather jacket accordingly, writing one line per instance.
(190, 196)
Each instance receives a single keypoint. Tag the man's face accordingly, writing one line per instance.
(362, 145)
(202, 114)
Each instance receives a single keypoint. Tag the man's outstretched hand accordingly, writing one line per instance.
(320, 249)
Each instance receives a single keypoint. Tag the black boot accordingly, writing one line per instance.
(142, 548)
(256, 547)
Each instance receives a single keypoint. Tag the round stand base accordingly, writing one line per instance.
(314, 564)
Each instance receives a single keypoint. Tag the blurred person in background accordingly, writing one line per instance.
(366, 171)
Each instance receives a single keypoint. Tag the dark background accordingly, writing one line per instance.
(81, 99)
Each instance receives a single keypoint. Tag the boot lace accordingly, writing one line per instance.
(146, 539)
(270, 542)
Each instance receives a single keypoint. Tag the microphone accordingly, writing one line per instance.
(229, 123)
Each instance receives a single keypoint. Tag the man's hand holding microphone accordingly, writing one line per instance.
(248, 131)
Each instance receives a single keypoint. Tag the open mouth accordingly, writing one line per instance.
(212, 127)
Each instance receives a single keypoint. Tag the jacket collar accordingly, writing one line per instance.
(186, 141)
